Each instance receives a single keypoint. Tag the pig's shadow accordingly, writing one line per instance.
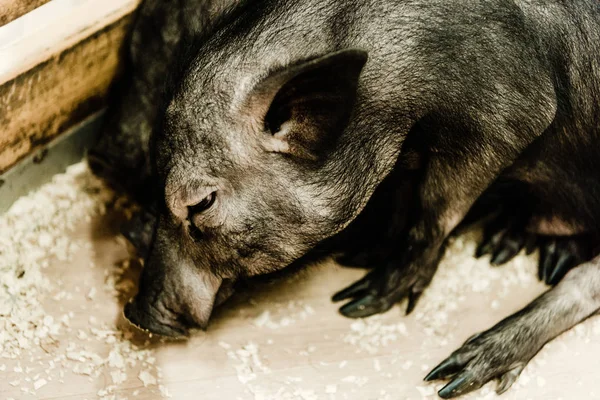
(126, 267)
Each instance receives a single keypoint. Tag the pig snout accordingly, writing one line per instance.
(176, 293)
(172, 304)
(154, 318)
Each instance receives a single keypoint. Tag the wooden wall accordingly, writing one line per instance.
(61, 63)
(12, 9)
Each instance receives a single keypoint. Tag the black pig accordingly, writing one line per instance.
(290, 115)
(275, 138)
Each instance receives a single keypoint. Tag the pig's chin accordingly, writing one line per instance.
(226, 290)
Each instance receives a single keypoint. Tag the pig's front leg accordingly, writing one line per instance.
(503, 351)
(413, 254)
(371, 238)
(461, 163)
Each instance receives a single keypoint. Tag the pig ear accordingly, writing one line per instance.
(306, 107)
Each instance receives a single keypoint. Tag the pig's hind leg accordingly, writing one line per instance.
(560, 254)
(504, 350)
(504, 236)
(516, 227)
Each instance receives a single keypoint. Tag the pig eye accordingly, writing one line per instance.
(204, 205)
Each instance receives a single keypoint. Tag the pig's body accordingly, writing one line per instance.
(278, 131)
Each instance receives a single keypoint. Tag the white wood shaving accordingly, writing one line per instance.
(372, 333)
(118, 377)
(541, 382)
(38, 384)
(376, 365)
(164, 391)
(426, 391)
(331, 389)
(359, 381)
(92, 293)
(147, 378)
(224, 345)
(249, 362)
(291, 313)
(35, 230)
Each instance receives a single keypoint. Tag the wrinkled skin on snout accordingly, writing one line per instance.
(175, 291)
(249, 183)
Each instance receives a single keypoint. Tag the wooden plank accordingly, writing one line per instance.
(53, 28)
(41, 166)
(40, 103)
(56, 66)
(13, 9)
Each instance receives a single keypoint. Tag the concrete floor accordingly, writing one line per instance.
(64, 336)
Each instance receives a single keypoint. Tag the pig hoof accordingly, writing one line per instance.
(374, 294)
(486, 356)
(504, 243)
(558, 255)
(504, 238)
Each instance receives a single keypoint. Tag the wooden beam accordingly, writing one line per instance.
(60, 85)
(53, 28)
(13, 9)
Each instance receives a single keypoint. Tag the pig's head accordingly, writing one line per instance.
(251, 182)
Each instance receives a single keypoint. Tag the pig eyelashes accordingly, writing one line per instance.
(202, 206)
